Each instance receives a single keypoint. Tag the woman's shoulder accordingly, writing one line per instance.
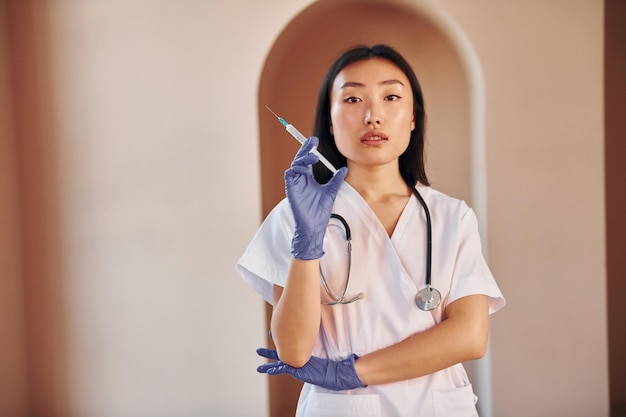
(447, 209)
(440, 200)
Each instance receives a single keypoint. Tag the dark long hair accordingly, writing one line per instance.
(412, 160)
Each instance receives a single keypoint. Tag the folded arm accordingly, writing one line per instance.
(461, 336)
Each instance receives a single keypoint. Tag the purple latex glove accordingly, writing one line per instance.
(333, 375)
(311, 202)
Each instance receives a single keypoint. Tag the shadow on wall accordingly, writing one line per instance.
(44, 377)
(289, 85)
(615, 176)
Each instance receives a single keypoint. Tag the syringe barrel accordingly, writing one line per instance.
(296, 134)
(301, 138)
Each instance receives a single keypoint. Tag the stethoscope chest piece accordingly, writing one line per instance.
(428, 298)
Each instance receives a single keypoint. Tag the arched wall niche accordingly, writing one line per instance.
(295, 67)
(306, 48)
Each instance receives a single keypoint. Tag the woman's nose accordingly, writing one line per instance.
(372, 118)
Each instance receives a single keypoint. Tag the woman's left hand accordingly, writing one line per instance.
(333, 375)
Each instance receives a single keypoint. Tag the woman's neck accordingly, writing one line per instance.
(384, 190)
(376, 184)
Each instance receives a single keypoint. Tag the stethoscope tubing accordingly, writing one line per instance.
(426, 299)
(341, 298)
(429, 236)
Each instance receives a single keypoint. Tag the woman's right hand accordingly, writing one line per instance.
(311, 202)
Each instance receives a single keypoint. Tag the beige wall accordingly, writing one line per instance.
(137, 136)
(544, 70)
(136, 153)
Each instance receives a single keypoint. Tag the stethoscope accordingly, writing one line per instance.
(427, 298)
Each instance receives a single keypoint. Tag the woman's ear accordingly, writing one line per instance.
(413, 122)
(332, 133)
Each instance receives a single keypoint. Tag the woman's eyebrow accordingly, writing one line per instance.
(348, 84)
(387, 82)
(358, 84)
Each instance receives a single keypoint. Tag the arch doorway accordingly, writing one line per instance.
(293, 72)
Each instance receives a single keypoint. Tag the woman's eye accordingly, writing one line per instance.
(351, 99)
(392, 97)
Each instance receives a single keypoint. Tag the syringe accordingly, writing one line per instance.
(301, 138)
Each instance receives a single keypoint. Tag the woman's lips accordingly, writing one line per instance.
(373, 138)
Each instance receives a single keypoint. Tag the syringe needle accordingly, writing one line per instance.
(278, 117)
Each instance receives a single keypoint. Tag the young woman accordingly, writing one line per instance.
(355, 319)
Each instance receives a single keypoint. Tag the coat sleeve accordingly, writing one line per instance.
(471, 275)
(265, 262)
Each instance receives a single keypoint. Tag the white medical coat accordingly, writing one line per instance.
(389, 271)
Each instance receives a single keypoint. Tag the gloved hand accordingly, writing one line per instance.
(333, 375)
(310, 202)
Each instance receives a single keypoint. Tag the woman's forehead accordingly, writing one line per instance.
(372, 71)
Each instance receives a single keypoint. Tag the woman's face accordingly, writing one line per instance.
(371, 112)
